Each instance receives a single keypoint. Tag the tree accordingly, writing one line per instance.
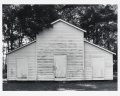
(26, 20)
(34, 18)
(9, 16)
(100, 22)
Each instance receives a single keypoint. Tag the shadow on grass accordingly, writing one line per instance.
(96, 85)
(61, 86)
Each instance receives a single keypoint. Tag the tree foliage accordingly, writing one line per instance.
(26, 20)
(9, 17)
(100, 22)
(34, 18)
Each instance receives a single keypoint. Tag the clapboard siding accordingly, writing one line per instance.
(62, 39)
(92, 51)
(28, 52)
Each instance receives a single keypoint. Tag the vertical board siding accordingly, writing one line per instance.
(98, 67)
(60, 66)
(91, 52)
(87, 67)
(25, 52)
(62, 39)
(22, 68)
(11, 72)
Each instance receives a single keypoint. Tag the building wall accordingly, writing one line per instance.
(92, 51)
(28, 52)
(59, 40)
(62, 39)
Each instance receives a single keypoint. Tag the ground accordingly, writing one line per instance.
(107, 85)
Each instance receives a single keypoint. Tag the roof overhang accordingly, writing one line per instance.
(68, 24)
(100, 47)
(21, 47)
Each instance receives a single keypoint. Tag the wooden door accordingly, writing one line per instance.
(60, 66)
(22, 68)
(98, 67)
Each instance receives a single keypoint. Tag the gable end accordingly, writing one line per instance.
(68, 24)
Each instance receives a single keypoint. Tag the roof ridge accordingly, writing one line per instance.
(68, 24)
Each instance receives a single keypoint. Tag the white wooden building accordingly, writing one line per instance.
(60, 54)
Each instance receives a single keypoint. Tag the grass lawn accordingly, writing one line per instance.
(62, 86)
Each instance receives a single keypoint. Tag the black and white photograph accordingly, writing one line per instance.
(60, 47)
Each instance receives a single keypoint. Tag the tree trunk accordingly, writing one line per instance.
(11, 45)
(19, 42)
(108, 45)
(3, 58)
(8, 46)
(96, 36)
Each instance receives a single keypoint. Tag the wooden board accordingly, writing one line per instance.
(60, 42)
(98, 67)
(22, 68)
(60, 66)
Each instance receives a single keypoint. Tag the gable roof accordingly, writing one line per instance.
(21, 47)
(68, 24)
(84, 40)
(100, 47)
